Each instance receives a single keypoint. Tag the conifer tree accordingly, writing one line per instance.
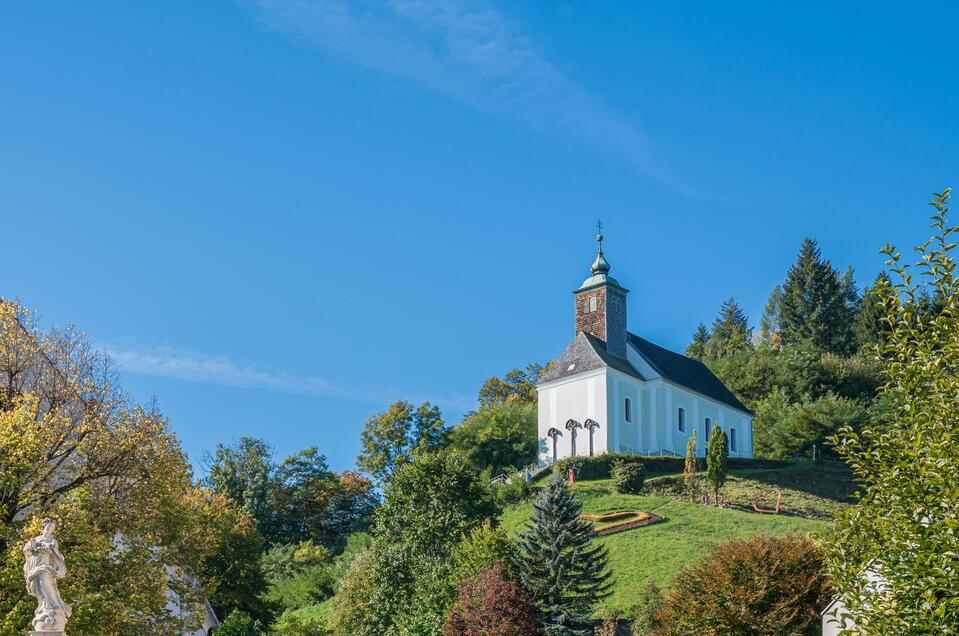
(817, 304)
(731, 333)
(869, 321)
(717, 454)
(559, 565)
(689, 469)
(769, 324)
(697, 348)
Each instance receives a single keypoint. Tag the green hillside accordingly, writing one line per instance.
(811, 494)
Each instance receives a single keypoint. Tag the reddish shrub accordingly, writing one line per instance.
(764, 586)
(492, 604)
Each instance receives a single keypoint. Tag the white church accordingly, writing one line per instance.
(614, 392)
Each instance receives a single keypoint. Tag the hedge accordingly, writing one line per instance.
(601, 466)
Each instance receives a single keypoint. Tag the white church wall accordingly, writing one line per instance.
(579, 397)
(698, 408)
(678, 438)
(624, 435)
(600, 395)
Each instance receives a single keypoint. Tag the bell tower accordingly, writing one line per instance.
(600, 304)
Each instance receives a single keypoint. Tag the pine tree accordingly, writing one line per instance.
(769, 324)
(689, 470)
(817, 305)
(731, 333)
(717, 454)
(565, 574)
(697, 348)
(869, 326)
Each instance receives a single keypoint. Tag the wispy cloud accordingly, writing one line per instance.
(463, 49)
(190, 366)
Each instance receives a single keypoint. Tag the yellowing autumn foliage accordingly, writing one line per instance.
(73, 446)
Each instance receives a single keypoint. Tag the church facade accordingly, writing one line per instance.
(612, 391)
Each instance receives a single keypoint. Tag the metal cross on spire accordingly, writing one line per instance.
(599, 230)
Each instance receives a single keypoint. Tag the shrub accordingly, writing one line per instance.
(606, 628)
(239, 623)
(765, 586)
(480, 549)
(517, 490)
(629, 478)
(646, 608)
(492, 604)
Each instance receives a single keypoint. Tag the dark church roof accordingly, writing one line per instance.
(587, 352)
(685, 371)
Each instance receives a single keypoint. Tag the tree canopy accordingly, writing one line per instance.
(390, 438)
(895, 554)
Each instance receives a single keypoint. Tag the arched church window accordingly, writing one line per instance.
(628, 409)
(682, 420)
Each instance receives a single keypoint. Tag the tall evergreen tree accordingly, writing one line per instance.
(697, 348)
(869, 321)
(849, 292)
(717, 454)
(559, 565)
(817, 304)
(769, 324)
(731, 333)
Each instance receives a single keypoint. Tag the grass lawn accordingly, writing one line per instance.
(659, 551)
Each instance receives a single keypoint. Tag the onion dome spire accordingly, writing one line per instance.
(600, 266)
(599, 272)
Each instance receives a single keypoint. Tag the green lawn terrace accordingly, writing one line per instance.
(811, 494)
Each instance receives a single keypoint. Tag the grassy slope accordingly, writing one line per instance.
(659, 551)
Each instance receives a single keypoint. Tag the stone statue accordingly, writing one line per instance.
(44, 565)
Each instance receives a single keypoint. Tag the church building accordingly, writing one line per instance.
(612, 391)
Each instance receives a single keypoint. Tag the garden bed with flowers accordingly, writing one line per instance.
(620, 521)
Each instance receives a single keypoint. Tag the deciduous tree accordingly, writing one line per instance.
(517, 386)
(763, 586)
(403, 585)
(390, 438)
(75, 447)
(491, 603)
(895, 554)
(501, 437)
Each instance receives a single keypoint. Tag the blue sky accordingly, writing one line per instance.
(281, 215)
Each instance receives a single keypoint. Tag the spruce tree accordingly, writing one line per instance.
(697, 348)
(769, 324)
(869, 326)
(731, 333)
(717, 454)
(817, 304)
(559, 565)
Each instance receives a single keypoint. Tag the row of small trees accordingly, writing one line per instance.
(717, 459)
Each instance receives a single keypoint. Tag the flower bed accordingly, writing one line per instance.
(625, 520)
